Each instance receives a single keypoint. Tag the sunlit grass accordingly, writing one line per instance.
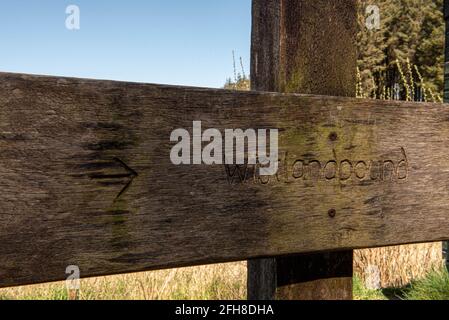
(214, 282)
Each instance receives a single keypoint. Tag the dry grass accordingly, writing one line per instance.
(228, 282)
(216, 282)
(397, 266)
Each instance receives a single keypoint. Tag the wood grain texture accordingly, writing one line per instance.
(319, 276)
(60, 139)
(303, 46)
(446, 80)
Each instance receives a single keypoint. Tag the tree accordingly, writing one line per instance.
(241, 81)
(411, 30)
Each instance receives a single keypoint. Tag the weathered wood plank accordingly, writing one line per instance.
(68, 147)
(446, 87)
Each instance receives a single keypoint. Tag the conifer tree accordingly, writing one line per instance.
(410, 30)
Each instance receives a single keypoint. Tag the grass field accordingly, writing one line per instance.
(435, 286)
(224, 281)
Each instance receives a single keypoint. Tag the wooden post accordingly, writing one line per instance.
(446, 90)
(303, 46)
(446, 59)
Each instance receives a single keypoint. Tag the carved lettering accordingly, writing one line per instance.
(315, 171)
(402, 170)
(330, 170)
(298, 169)
(361, 169)
(345, 170)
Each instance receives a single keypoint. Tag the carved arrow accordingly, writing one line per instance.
(106, 178)
(131, 173)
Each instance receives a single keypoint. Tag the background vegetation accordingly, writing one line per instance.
(214, 282)
(410, 30)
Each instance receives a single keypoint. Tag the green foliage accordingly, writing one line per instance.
(241, 84)
(410, 30)
(362, 293)
(241, 81)
(433, 287)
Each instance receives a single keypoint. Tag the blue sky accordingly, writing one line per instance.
(185, 42)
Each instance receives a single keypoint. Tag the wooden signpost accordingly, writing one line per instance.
(87, 180)
(295, 31)
(86, 177)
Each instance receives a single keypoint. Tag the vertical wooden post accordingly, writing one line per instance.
(303, 46)
(446, 57)
(446, 91)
